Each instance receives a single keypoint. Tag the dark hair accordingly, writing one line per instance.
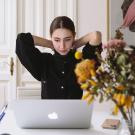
(62, 22)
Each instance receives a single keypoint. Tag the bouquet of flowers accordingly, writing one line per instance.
(113, 80)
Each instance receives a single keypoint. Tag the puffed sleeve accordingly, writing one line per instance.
(89, 51)
(29, 55)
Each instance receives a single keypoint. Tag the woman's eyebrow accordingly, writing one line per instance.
(68, 37)
(63, 38)
(56, 38)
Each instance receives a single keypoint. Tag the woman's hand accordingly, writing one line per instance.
(95, 38)
(42, 42)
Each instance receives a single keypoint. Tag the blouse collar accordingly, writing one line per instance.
(68, 57)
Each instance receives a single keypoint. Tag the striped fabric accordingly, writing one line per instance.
(130, 15)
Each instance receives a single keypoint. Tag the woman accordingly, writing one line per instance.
(56, 72)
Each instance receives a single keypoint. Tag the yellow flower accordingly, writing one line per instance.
(108, 90)
(92, 63)
(93, 83)
(85, 95)
(78, 55)
(82, 69)
(117, 98)
(92, 72)
(81, 79)
(90, 99)
(84, 86)
(128, 102)
(115, 111)
(114, 96)
(123, 99)
(120, 98)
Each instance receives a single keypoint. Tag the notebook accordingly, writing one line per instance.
(52, 113)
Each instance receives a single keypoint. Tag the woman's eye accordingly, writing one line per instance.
(56, 40)
(68, 39)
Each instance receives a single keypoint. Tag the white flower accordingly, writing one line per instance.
(104, 54)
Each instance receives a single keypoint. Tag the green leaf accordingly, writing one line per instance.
(122, 59)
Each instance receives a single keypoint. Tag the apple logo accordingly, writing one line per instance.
(53, 116)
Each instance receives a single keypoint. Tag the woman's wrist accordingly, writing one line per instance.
(81, 41)
(94, 39)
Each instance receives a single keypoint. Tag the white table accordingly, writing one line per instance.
(8, 125)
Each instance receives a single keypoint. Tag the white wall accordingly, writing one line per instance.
(92, 16)
(116, 20)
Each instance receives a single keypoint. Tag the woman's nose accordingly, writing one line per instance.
(62, 45)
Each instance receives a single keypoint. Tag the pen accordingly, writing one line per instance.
(2, 113)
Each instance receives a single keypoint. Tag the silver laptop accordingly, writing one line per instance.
(52, 113)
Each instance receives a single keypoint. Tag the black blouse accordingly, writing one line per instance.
(56, 72)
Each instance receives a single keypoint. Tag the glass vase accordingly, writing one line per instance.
(126, 128)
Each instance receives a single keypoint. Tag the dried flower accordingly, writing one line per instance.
(113, 80)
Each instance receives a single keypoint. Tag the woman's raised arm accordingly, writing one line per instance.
(94, 38)
(42, 42)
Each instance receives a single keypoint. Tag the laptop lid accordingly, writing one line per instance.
(52, 113)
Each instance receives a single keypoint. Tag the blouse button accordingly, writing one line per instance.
(62, 72)
(62, 87)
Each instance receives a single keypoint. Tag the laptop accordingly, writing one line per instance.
(52, 113)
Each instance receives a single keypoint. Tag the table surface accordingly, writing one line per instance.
(8, 125)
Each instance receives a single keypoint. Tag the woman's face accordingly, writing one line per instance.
(62, 40)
